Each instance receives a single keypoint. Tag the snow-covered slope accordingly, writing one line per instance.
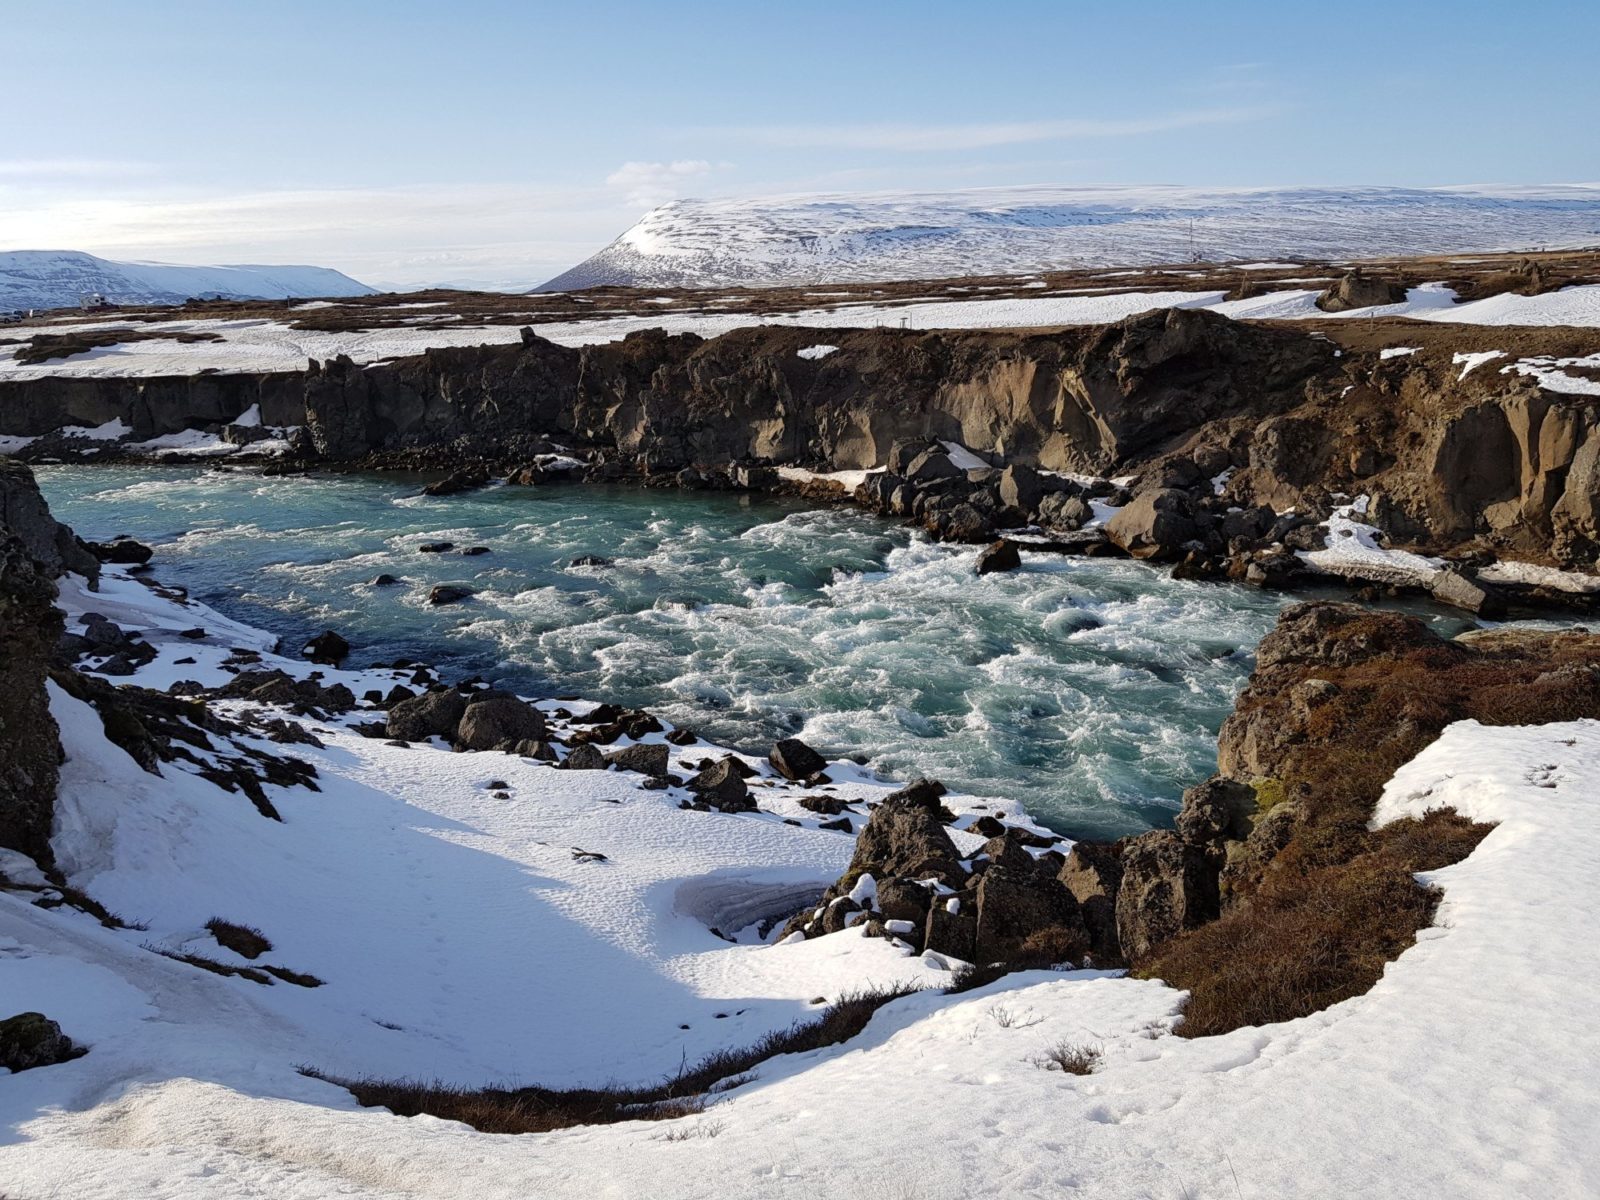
(460, 938)
(59, 278)
(905, 235)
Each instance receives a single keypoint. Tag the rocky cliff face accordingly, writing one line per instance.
(1481, 461)
(34, 548)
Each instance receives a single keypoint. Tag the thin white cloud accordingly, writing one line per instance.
(647, 184)
(69, 168)
(916, 138)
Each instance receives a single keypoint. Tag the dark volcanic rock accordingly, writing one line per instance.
(432, 714)
(123, 551)
(722, 786)
(1357, 290)
(645, 758)
(1168, 885)
(1016, 905)
(327, 647)
(793, 759)
(1002, 556)
(30, 746)
(449, 593)
(30, 1040)
(25, 514)
(498, 721)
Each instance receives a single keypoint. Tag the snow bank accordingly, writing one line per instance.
(1467, 1071)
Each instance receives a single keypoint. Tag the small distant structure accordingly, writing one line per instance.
(94, 302)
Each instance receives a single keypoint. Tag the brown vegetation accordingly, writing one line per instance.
(1317, 922)
(540, 1110)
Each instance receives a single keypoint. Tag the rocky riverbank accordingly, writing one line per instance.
(1239, 450)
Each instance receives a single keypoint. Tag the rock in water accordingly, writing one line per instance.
(327, 647)
(793, 759)
(32, 1039)
(1155, 524)
(449, 593)
(1002, 556)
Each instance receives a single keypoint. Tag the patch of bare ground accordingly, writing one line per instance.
(540, 1110)
(48, 347)
(1316, 922)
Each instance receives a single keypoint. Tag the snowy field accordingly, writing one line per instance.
(264, 345)
(459, 937)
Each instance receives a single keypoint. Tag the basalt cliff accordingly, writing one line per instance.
(1217, 428)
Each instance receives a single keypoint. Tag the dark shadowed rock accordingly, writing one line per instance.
(1093, 874)
(327, 647)
(793, 759)
(30, 746)
(1167, 886)
(432, 714)
(123, 551)
(1015, 905)
(32, 1039)
(1001, 556)
(449, 593)
(585, 758)
(498, 720)
(645, 758)
(722, 786)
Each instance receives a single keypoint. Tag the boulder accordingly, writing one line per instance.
(722, 786)
(449, 593)
(1357, 290)
(930, 465)
(1168, 885)
(902, 899)
(585, 758)
(793, 759)
(1217, 811)
(32, 1039)
(1062, 511)
(1459, 590)
(953, 933)
(1001, 556)
(645, 758)
(327, 647)
(1156, 524)
(123, 550)
(498, 720)
(1093, 874)
(906, 836)
(433, 714)
(49, 543)
(1016, 905)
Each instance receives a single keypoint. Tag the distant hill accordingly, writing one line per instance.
(58, 278)
(992, 231)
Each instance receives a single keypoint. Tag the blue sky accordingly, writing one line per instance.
(500, 142)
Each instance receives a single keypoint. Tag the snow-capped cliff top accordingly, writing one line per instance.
(920, 235)
(60, 278)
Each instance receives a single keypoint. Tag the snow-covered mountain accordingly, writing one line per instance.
(903, 235)
(58, 278)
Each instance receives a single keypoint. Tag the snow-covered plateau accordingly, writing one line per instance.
(818, 238)
(260, 344)
(62, 278)
(458, 935)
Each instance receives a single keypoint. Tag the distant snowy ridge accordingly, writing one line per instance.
(60, 278)
(880, 236)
